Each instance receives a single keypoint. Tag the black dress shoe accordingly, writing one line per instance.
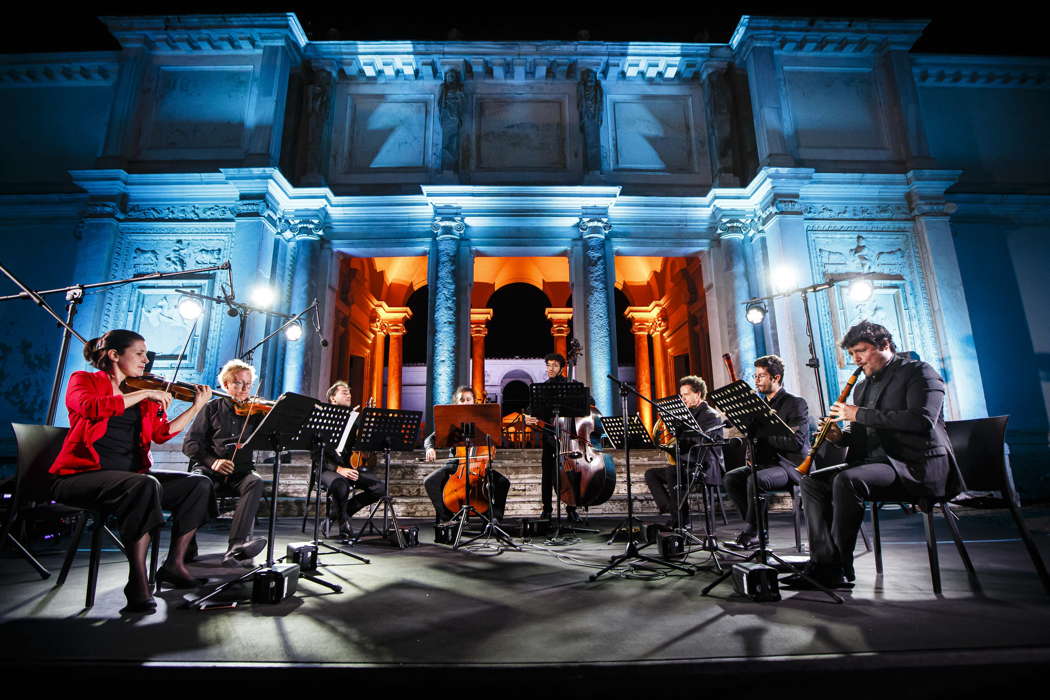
(545, 514)
(145, 605)
(745, 541)
(572, 516)
(243, 553)
(175, 580)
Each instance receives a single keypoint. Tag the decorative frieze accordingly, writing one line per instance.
(180, 212)
(819, 210)
(970, 72)
(68, 72)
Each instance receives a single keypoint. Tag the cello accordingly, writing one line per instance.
(587, 476)
(469, 483)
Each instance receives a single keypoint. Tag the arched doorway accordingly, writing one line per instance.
(519, 326)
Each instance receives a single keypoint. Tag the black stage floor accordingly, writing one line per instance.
(521, 620)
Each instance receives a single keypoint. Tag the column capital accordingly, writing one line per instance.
(478, 320)
(377, 327)
(300, 226)
(736, 226)
(395, 328)
(448, 226)
(594, 226)
(559, 318)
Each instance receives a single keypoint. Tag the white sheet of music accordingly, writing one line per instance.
(346, 432)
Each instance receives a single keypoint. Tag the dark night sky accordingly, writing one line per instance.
(955, 31)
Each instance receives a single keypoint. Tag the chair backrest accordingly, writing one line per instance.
(979, 450)
(38, 447)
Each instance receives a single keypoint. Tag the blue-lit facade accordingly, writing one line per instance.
(822, 145)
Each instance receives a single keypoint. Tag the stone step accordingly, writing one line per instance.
(408, 469)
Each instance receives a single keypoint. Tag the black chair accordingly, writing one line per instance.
(980, 451)
(38, 446)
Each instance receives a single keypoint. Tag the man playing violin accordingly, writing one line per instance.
(776, 457)
(899, 450)
(345, 472)
(212, 445)
(434, 483)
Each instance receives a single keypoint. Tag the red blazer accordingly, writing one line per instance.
(91, 402)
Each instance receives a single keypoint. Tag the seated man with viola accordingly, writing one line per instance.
(212, 445)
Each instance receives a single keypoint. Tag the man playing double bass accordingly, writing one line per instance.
(555, 365)
(898, 451)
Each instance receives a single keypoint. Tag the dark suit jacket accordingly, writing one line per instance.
(907, 413)
(786, 452)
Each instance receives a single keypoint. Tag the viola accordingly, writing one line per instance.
(469, 482)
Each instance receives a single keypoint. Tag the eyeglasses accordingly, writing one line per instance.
(239, 383)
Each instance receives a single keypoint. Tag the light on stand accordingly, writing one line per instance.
(263, 296)
(293, 332)
(755, 313)
(190, 309)
(783, 279)
(860, 290)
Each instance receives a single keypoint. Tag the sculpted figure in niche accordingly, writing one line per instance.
(589, 96)
(452, 103)
(317, 99)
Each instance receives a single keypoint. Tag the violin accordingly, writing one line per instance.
(183, 391)
(362, 458)
(468, 484)
(252, 406)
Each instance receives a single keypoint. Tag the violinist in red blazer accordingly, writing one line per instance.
(105, 461)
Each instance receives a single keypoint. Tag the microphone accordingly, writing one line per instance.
(317, 326)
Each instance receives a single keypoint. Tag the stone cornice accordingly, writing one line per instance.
(208, 33)
(981, 71)
(518, 61)
(855, 37)
(94, 68)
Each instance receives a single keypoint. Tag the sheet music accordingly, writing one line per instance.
(346, 432)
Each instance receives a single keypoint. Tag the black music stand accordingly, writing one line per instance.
(568, 399)
(680, 421)
(386, 430)
(620, 433)
(754, 418)
(632, 550)
(460, 424)
(283, 428)
(329, 424)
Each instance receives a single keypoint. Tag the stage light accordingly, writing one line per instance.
(190, 309)
(860, 290)
(755, 313)
(263, 296)
(293, 332)
(784, 279)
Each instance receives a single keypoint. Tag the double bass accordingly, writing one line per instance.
(587, 476)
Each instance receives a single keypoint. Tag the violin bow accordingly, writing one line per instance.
(178, 364)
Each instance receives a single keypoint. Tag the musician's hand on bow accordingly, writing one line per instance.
(431, 454)
(842, 411)
(530, 420)
(222, 466)
(348, 472)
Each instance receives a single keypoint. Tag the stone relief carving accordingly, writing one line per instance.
(181, 212)
(591, 102)
(452, 104)
(855, 211)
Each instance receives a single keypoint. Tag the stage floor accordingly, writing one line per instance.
(430, 605)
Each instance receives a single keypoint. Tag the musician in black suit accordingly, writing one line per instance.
(898, 450)
(555, 364)
(776, 457)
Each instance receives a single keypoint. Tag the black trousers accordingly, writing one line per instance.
(835, 509)
(248, 488)
(136, 500)
(434, 483)
(339, 488)
(741, 490)
(663, 484)
(548, 462)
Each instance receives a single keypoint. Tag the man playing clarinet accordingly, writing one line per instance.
(898, 451)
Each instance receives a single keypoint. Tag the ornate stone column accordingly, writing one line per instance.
(559, 318)
(660, 363)
(732, 232)
(478, 330)
(641, 321)
(378, 334)
(394, 320)
(450, 274)
(300, 361)
(594, 278)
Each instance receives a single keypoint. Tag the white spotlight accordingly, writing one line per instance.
(263, 296)
(190, 309)
(293, 332)
(860, 290)
(755, 313)
(784, 279)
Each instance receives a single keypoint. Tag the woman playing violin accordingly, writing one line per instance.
(212, 444)
(434, 483)
(345, 472)
(105, 461)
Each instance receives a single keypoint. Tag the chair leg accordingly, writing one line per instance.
(306, 507)
(796, 508)
(931, 550)
(1033, 551)
(721, 504)
(864, 536)
(74, 544)
(154, 557)
(951, 518)
(96, 556)
(878, 537)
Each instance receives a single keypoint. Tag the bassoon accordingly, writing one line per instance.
(807, 463)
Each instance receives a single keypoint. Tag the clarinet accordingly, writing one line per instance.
(807, 463)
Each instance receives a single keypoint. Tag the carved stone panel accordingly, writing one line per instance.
(837, 110)
(653, 134)
(199, 109)
(520, 133)
(387, 133)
